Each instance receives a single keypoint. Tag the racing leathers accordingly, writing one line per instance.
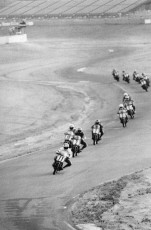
(83, 143)
(68, 137)
(67, 154)
(100, 128)
(121, 112)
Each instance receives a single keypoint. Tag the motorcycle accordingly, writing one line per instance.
(139, 79)
(123, 119)
(58, 164)
(95, 135)
(68, 139)
(130, 111)
(147, 82)
(135, 76)
(145, 87)
(116, 76)
(76, 141)
(126, 78)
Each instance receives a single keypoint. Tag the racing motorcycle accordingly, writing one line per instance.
(145, 87)
(95, 135)
(135, 76)
(116, 76)
(76, 142)
(126, 78)
(58, 164)
(123, 119)
(147, 82)
(68, 139)
(130, 110)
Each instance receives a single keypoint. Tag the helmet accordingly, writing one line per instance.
(121, 106)
(66, 146)
(71, 126)
(97, 121)
(79, 130)
(125, 94)
(127, 97)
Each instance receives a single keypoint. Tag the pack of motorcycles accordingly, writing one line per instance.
(75, 146)
(76, 140)
(141, 79)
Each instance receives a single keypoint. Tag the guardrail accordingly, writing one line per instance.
(30, 23)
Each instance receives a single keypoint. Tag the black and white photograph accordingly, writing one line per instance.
(75, 115)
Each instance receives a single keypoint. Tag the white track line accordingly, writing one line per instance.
(121, 87)
(69, 225)
(81, 69)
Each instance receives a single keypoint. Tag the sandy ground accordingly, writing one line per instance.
(42, 92)
(122, 204)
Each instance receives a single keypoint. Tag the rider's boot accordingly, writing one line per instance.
(83, 147)
(134, 109)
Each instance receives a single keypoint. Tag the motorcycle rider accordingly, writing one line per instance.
(126, 97)
(114, 71)
(144, 75)
(125, 75)
(80, 133)
(122, 110)
(98, 123)
(69, 134)
(71, 128)
(146, 78)
(143, 82)
(66, 152)
(132, 103)
(136, 75)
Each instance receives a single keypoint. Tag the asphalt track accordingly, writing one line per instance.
(30, 196)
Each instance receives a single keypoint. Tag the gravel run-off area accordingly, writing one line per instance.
(122, 204)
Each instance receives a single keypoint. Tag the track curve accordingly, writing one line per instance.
(30, 196)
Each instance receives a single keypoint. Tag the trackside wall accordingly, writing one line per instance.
(13, 39)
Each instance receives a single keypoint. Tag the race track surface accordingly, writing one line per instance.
(62, 76)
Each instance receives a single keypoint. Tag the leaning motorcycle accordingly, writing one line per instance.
(76, 142)
(95, 135)
(130, 111)
(126, 78)
(145, 87)
(123, 119)
(116, 76)
(68, 139)
(58, 164)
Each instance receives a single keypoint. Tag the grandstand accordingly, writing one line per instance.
(68, 8)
